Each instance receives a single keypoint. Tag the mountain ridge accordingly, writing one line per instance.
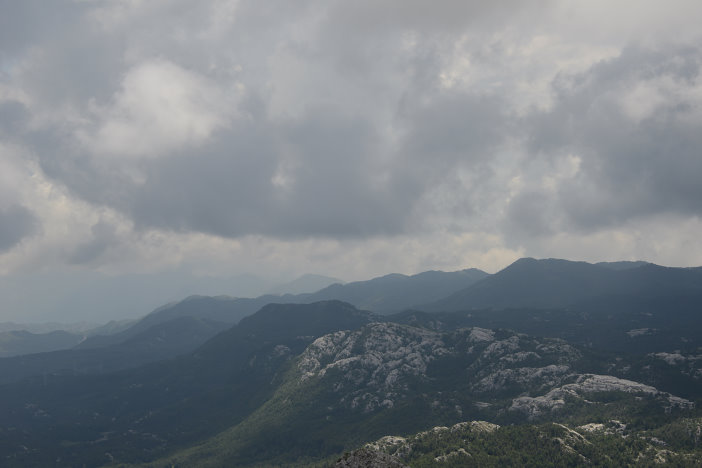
(298, 384)
(557, 283)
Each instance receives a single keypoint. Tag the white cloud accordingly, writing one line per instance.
(159, 109)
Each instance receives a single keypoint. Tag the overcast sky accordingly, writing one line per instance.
(153, 148)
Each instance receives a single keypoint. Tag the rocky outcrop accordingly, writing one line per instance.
(592, 383)
(401, 447)
(382, 364)
(379, 352)
(367, 458)
(370, 367)
(547, 376)
(374, 367)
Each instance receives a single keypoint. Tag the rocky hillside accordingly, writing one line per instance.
(382, 378)
(479, 443)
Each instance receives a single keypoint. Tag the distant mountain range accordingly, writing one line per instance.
(558, 348)
(305, 284)
(303, 382)
(582, 289)
(18, 342)
(188, 398)
(556, 283)
(395, 292)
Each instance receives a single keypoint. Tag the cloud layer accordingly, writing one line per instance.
(233, 136)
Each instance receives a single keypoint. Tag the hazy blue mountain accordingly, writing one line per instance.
(20, 339)
(164, 340)
(220, 309)
(553, 283)
(384, 294)
(89, 295)
(297, 383)
(396, 292)
(47, 327)
(111, 327)
(305, 284)
(18, 342)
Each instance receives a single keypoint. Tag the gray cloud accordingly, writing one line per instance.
(361, 164)
(441, 17)
(32, 22)
(530, 215)
(345, 119)
(323, 173)
(13, 118)
(58, 52)
(286, 179)
(455, 129)
(103, 237)
(634, 122)
(326, 169)
(16, 223)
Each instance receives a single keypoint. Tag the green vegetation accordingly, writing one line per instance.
(610, 380)
(544, 445)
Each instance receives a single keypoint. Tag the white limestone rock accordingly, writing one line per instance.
(547, 376)
(592, 383)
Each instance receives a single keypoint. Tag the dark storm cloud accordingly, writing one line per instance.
(16, 223)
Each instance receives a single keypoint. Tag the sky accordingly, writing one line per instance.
(151, 149)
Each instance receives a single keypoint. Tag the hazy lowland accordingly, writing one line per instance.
(546, 362)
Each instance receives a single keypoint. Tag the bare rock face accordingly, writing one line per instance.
(379, 365)
(373, 364)
(592, 383)
(403, 447)
(368, 458)
(382, 365)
